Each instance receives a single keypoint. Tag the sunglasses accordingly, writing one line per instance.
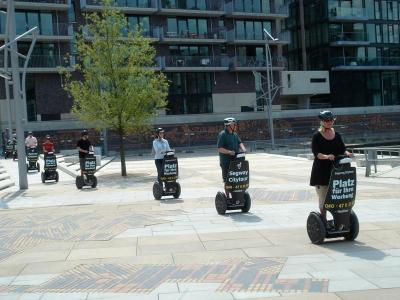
(329, 120)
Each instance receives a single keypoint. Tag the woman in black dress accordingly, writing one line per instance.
(326, 145)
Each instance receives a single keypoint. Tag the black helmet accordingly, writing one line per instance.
(326, 115)
(229, 121)
(84, 132)
(159, 129)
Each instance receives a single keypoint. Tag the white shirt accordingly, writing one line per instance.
(31, 142)
(160, 146)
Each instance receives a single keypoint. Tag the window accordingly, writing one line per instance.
(139, 23)
(44, 21)
(371, 33)
(186, 28)
(251, 30)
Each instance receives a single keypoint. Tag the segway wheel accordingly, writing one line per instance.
(94, 181)
(43, 176)
(354, 227)
(38, 167)
(157, 190)
(177, 190)
(79, 182)
(56, 177)
(247, 202)
(220, 203)
(316, 228)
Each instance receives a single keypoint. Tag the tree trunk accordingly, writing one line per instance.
(122, 152)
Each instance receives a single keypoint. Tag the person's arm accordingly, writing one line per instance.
(241, 145)
(317, 151)
(157, 148)
(221, 146)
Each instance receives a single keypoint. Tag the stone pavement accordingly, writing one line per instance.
(117, 242)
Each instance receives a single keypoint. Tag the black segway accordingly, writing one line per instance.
(237, 182)
(339, 201)
(50, 167)
(89, 168)
(32, 155)
(168, 185)
(9, 150)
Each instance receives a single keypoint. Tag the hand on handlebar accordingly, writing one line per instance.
(331, 157)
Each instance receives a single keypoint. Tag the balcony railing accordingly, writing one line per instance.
(45, 1)
(365, 62)
(232, 7)
(348, 36)
(348, 12)
(126, 3)
(209, 5)
(48, 61)
(56, 29)
(257, 62)
(196, 62)
(259, 36)
(218, 34)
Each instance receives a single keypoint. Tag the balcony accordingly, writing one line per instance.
(253, 63)
(362, 63)
(152, 34)
(258, 38)
(258, 12)
(44, 63)
(210, 8)
(196, 63)
(39, 4)
(55, 32)
(348, 38)
(215, 37)
(348, 14)
(127, 6)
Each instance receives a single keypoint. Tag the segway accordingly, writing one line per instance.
(168, 185)
(339, 201)
(237, 182)
(50, 168)
(9, 150)
(89, 168)
(32, 156)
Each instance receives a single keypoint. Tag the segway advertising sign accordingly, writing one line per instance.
(170, 169)
(50, 162)
(238, 176)
(90, 164)
(342, 189)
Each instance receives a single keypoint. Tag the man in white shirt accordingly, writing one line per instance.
(30, 141)
(160, 147)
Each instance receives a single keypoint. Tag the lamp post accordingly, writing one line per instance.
(268, 63)
(18, 89)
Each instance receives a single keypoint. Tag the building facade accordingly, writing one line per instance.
(358, 41)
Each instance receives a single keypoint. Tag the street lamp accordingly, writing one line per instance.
(268, 63)
(18, 90)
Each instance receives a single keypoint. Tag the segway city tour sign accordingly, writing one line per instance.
(238, 176)
(170, 169)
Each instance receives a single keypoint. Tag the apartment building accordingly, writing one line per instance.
(358, 41)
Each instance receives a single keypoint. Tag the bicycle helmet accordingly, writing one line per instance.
(47, 136)
(229, 121)
(159, 129)
(84, 132)
(326, 115)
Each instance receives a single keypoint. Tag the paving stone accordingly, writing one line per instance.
(207, 257)
(350, 285)
(64, 296)
(370, 294)
(92, 253)
(199, 295)
(236, 244)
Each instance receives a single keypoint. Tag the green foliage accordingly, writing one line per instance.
(120, 87)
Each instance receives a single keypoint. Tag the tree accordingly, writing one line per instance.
(120, 88)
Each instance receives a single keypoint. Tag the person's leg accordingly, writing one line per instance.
(321, 192)
(82, 164)
(159, 163)
(224, 169)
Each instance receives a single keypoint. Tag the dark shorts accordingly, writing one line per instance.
(82, 162)
(224, 169)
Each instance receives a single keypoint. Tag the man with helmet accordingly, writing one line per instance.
(228, 145)
(83, 145)
(160, 147)
(47, 145)
(30, 141)
(326, 145)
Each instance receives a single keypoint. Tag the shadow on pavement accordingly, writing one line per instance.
(355, 249)
(244, 217)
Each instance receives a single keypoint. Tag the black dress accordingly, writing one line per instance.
(321, 169)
